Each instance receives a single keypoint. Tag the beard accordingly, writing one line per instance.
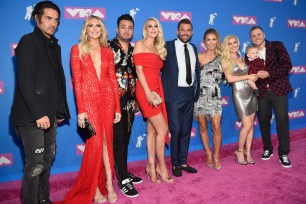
(124, 39)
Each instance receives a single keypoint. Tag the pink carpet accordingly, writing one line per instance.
(264, 182)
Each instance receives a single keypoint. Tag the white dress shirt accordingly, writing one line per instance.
(180, 55)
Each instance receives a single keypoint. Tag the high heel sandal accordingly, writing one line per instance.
(111, 195)
(241, 162)
(99, 198)
(151, 173)
(159, 173)
(217, 163)
(248, 155)
(209, 160)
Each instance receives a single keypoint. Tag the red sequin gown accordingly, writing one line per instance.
(100, 100)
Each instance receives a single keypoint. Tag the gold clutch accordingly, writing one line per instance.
(157, 99)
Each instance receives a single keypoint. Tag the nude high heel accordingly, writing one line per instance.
(241, 162)
(249, 157)
(162, 176)
(217, 163)
(209, 160)
(151, 173)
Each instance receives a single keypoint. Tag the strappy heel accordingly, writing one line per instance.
(248, 157)
(241, 162)
(162, 177)
(99, 198)
(209, 159)
(112, 197)
(217, 163)
(151, 173)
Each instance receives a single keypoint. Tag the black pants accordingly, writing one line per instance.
(122, 132)
(280, 106)
(39, 147)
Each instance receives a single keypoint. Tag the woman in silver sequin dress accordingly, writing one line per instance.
(208, 106)
(236, 72)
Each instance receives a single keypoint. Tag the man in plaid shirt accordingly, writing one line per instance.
(273, 85)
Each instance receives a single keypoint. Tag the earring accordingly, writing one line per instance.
(86, 37)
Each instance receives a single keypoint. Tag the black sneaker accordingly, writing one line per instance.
(128, 189)
(134, 179)
(266, 155)
(285, 161)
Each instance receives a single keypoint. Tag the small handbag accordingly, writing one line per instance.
(157, 99)
(89, 127)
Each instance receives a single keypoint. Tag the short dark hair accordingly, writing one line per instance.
(39, 9)
(127, 17)
(184, 21)
(256, 27)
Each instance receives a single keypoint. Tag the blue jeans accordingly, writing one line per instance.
(39, 148)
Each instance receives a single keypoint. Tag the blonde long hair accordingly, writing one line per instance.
(159, 43)
(84, 44)
(227, 62)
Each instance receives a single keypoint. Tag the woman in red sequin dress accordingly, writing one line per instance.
(148, 56)
(96, 92)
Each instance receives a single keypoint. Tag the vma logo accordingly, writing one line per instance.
(193, 132)
(84, 12)
(298, 69)
(6, 159)
(225, 101)
(292, 23)
(1, 87)
(296, 114)
(13, 47)
(80, 148)
(244, 20)
(174, 16)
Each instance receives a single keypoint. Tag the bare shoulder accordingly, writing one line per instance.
(139, 47)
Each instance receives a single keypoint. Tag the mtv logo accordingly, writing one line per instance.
(225, 101)
(298, 69)
(293, 23)
(203, 48)
(296, 114)
(1, 87)
(84, 12)
(13, 46)
(174, 16)
(80, 148)
(6, 159)
(244, 20)
(193, 132)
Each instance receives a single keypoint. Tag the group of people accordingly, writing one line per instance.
(169, 82)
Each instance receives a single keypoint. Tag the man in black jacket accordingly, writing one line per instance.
(39, 101)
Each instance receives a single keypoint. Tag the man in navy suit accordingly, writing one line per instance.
(181, 78)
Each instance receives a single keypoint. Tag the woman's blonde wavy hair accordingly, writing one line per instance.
(227, 62)
(84, 44)
(159, 43)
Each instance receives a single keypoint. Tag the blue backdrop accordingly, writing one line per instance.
(283, 20)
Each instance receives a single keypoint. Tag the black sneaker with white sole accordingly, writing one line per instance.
(128, 189)
(266, 155)
(285, 161)
(134, 179)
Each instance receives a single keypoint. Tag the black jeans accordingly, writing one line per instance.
(39, 147)
(280, 106)
(122, 132)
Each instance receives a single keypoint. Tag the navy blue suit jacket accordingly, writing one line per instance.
(170, 73)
